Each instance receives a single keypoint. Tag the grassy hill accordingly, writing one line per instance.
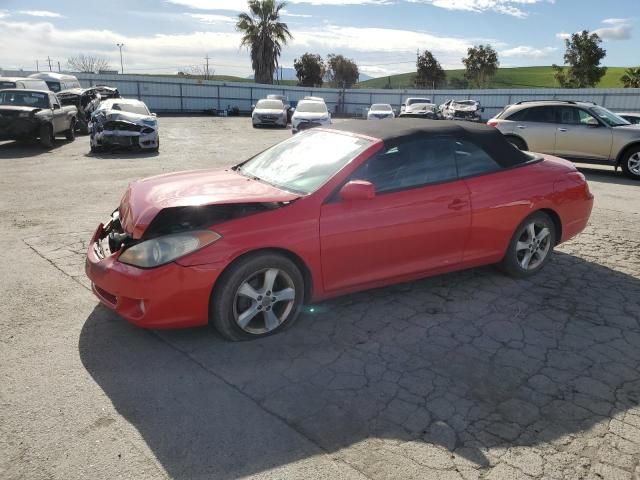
(520, 77)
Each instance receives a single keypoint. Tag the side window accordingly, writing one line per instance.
(409, 165)
(585, 118)
(540, 115)
(518, 116)
(54, 101)
(472, 160)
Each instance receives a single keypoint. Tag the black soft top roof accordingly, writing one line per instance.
(403, 129)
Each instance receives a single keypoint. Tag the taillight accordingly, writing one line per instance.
(492, 123)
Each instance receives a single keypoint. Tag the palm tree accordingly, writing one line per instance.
(264, 35)
(631, 78)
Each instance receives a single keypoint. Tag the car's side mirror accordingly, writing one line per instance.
(56, 106)
(592, 122)
(357, 190)
(253, 107)
(154, 114)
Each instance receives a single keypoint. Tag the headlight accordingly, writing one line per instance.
(161, 250)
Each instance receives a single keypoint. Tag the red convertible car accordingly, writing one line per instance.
(328, 212)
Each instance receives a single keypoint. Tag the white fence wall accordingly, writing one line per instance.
(174, 94)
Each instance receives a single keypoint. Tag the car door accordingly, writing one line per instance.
(537, 126)
(59, 117)
(417, 221)
(581, 135)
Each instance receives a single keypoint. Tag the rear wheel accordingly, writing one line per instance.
(631, 163)
(258, 296)
(46, 136)
(517, 142)
(531, 246)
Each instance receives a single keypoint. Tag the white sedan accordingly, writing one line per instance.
(380, 111)
(309, 114)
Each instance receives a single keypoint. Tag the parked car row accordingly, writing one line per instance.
(416, 107)
(46, 105)
(578, 131)
(275, 110)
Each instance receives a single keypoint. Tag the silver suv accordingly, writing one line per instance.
(578, 131)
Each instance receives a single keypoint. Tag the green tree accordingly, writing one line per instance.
(631, 78)
(342, 72)
(310, 70)
(583, 56)
(481, 64)
(264, 35)
(429, 72)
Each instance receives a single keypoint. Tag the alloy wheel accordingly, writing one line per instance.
(264, 301)
(634, 163)
(533, 245)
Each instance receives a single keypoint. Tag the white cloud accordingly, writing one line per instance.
(527, 52)
(40, 13)
(241, 5)
(212, 19)
(507, 7)
(285, 13)
(619, 29)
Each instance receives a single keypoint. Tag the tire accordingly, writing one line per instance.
(254, 274)
(71, 133)
(517, 142)
(46, 136)
(631, 163)
(515, 262)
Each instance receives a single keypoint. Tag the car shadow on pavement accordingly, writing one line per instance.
(122, 154)
(13, 149)
(446, 370)
(608, 175)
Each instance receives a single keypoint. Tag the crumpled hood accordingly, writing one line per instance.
(464, 108)
(145, 198)
(119, 115)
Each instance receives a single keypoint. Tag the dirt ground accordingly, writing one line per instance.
(464, 376)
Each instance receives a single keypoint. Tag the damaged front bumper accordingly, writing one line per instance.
(168, 296)
(123, 134)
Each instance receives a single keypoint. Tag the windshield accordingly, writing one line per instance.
(270, 105)
(54, 86)
(139, 108)
(381, 107)
(609, 118)
(465, 102)
(311, 107)
(306, 161)
(411, 101)
(24, 99)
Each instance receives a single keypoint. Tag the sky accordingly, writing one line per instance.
(382, 36)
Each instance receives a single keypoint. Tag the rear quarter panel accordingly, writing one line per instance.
(501, 201)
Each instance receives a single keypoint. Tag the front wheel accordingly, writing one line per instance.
(530, 247)
(258, 296)
(631, 163)
(46, 136)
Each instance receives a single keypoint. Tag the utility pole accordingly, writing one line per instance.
(37, 65)
(49, 60)
(120, 45)
(59, 70)
(206, 70)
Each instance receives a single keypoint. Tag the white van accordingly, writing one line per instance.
(57, 81)
(21, 82)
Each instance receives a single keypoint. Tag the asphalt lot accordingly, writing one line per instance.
(464, 376)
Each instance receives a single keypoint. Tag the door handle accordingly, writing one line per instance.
(562, 129)
(457, 204)
(521, 127)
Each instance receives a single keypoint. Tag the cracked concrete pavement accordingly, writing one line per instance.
(462, 376)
